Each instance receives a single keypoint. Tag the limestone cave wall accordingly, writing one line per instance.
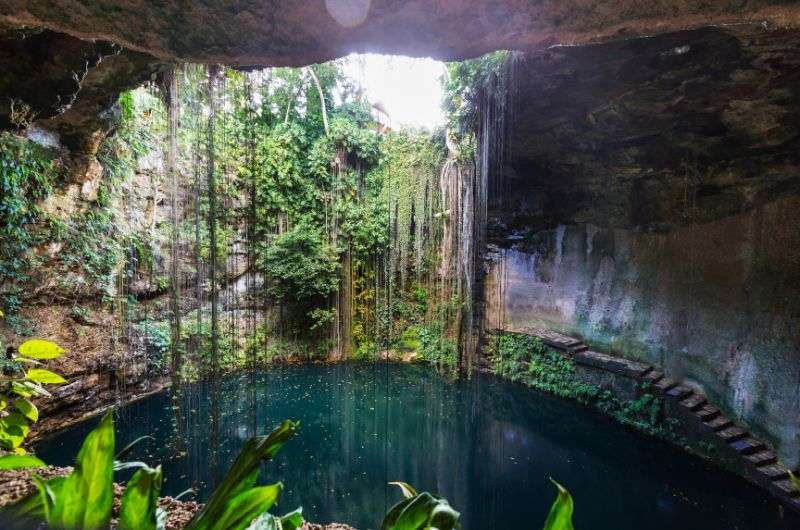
(651, 206)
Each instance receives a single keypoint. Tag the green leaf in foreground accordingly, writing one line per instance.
(420, 512)
(40, 349)
(140, 500)
(267, 521)
(40, 375)
(85, 498)
(27, 409)
(240, 511)
(20, 462)
(407, 489)
(242, 476)
(560, 517)
(292, 520)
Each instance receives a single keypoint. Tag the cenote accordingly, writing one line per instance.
(532, 246)
(486, 444)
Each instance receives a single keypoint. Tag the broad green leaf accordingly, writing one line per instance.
(40, 375)
(240, 511)
(14, 426)
(3, 403)
(140, 500)
(37, 389)
(407, 489)
(46, 497)
(20, 462)
(394, 512)
(40, 349)
(292, 520)
(795, 480)
(242, 474)
(84, 500)
(560, 516)
(11, 436)
(21, 389)
(267, 521)
(128, 448)
(27, 409)
(28, 389)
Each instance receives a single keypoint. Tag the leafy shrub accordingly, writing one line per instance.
(22, 380)
(437, 348)
(27, 176)
(424, 511)
(300, 264)
(83, 500)
(528, 360)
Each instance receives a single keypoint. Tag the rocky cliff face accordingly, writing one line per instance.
(651, 207)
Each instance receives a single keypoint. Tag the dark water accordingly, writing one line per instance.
(487, 445)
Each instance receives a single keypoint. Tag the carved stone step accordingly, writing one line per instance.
(774, 472)
(680, 392)
(763, 458)
(654, 376)
(666, 384)
(708, 412)
(747, 446)
(787, 487)
(694, 402)
(732, 434)
(719, 423)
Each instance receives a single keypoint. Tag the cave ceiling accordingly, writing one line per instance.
(67, 60)
(684, 127)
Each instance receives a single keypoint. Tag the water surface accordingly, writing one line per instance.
(487, 445)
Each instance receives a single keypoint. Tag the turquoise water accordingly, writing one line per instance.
(487, 445)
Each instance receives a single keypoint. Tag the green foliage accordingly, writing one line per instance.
(437, 348)
(236, 502)
(93, 247)
(300, 263)
(560, 516)
(83, 500)
(526, 359)
(157, 339)
(27, 175)
(420, 511)
(464, 83)
(367, 351)
(21, 381)
(19, 462)
(139, 503)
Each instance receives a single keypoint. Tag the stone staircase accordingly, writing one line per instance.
(739, 449)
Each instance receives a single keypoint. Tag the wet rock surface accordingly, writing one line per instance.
(651, 208)
(655, 133)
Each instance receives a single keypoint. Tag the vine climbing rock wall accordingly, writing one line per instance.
(652, 205)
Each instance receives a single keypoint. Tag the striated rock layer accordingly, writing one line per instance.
(651, 206)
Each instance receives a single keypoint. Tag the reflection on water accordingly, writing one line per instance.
(487, 445)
